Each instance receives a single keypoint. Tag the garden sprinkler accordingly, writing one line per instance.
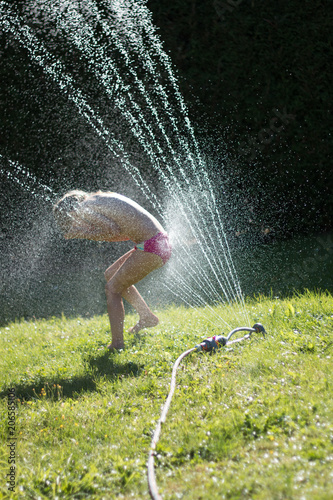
(209, 345)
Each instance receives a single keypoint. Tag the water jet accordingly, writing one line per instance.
(116, 45)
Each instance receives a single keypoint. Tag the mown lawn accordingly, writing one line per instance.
(252, 422)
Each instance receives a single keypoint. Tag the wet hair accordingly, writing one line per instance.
(68, 203)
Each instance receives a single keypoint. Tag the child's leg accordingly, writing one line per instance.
(147, 318)
(115, 305)
(109, 273)
(131, 294)
(116, 314)
(135, 267)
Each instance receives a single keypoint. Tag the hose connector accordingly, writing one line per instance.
(212, 343)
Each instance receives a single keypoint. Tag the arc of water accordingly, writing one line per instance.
(104, 76)
(89, 114)
(32, 178)
(167, 64)
(66, 83)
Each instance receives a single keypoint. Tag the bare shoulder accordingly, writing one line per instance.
(110, 199)
(112, 205)
(100, 199)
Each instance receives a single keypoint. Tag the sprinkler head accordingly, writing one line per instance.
(259, 329)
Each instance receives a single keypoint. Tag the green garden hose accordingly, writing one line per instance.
(208, 345)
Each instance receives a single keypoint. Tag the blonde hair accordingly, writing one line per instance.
(70, 202)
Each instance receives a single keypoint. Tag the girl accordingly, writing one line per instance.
(112, 217)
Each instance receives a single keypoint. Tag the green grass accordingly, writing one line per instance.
(254, 422)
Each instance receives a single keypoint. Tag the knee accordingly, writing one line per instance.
(111, 289)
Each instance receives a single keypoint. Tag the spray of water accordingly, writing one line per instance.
(126, 57)
(26, 180)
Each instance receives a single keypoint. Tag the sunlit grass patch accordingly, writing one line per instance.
(251, 421)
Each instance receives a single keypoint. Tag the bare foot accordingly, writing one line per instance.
(113, 348)
(144, 322)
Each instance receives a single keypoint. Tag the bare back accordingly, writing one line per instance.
(133, 221)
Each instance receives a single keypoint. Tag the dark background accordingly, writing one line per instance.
(239, 61)
(257, 79)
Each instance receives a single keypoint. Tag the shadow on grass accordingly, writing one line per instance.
(96, 366)
(106, 365)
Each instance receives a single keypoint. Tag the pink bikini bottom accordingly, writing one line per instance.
(158, 244)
